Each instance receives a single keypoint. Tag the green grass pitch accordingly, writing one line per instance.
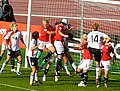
(10, 81)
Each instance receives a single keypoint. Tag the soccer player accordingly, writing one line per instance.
(3, 48)
(86, 63)
(45, 30)
(12, 43)
(33, 58)
(107, 51)
(95, 38)
(59, 35)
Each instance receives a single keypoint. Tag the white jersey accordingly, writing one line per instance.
(3, 31)
(13, 38)
(34, 52)
(95, 38)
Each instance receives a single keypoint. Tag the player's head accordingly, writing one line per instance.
(65, 21)
(84, 36)
(13, 26)
(35, 35)
(95, 26)
(45, 23)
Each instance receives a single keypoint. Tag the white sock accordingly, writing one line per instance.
(74, 66)
(97, 71)
(66, 68)
(3, 66)
(18, 67)
(36, 76)
(31, 78)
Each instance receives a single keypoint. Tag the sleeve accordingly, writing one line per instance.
(32, 43)
(104, 35)
(7, 36)
(21, 36)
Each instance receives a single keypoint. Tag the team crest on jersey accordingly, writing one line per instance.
(60, 28)
(45, 29)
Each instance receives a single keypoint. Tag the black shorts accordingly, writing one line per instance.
(34, 61)
(96, 53)
(14, 54)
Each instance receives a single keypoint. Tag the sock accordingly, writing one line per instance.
(42, 64)
(99, 80)
(3, 66)
(18, 66)
(85, 78)
(36, 76)
(97, 71)
(66, 68)
(12, 63)
(46, 71)
(74, 66)
(31, 78)
(105, 80)
(58, 66)
(0, 58)
(39, 54)
(81, 74)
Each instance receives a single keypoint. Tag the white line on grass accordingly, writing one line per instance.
(7, 85)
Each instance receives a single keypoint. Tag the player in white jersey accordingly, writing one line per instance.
(12, 43)
(3, 48)
(33, 58)
(95, 39)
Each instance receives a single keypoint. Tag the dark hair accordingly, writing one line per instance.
(35, 35)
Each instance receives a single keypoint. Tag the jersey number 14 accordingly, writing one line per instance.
(94, 38)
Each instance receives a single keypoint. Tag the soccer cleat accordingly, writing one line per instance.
(1, 72)
(81, 83)
(13, 70)
(38, 82)
(31, 84)
(98, 86)
(56, 78)
(44, 78)
(69, 74)
(18, 73)
(105, 84)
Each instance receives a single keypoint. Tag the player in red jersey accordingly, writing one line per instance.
(45, 30)
(107, 52)
(59, 35)
(12, 43)
(86, 63)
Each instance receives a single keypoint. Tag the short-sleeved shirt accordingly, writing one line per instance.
(33, 53)
(106, 50)
(57, 35)
(86, 54)
(95, 38)
(44, 36)
(13, 40)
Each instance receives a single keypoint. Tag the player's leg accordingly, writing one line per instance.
(3, 49)
(107, 69)
(5, 63)
(19, 64)
(66, 66)
(67, 54)
(13, 65)
(32, 75)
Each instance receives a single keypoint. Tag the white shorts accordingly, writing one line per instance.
(44, 45)
(106, 64)
(59, 47)
(85, 64)
(3, 46)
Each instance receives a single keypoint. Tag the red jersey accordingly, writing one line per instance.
(106, 50)
(44, 36)
(57, 35)
(86, 54)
